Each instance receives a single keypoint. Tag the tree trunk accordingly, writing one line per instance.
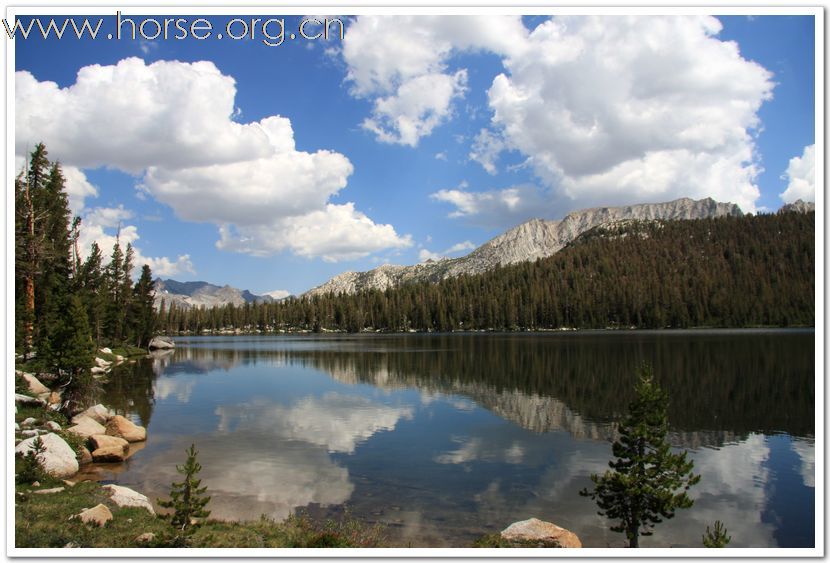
(29, 282)
(634, 536)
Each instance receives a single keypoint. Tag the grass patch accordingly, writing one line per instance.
(496, 540)
(44, 521)
(40, 415)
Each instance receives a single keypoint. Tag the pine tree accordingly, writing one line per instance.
(646, 482)
(28, 243)
(126, 294)
(186, 497)
(70, 351)
(718, 537)
(143, 312)
(93, 291)
(114, 277)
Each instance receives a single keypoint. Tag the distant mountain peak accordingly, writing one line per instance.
(533, 239)
(199, 293)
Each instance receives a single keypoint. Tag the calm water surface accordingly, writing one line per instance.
(446, 437)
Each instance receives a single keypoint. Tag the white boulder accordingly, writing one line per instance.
(86, 427)
(27, 400)
(161, 343)
(98, 515)
(101, 362)
(99, 413)
(124, 496)
(35, 386)
(57, 459)
(545, 533)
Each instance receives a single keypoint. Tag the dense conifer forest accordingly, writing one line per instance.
(756, 270)
(65, 307)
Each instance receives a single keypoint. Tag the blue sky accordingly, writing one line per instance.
(275, 168)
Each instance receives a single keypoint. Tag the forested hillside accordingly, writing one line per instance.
(722, 272)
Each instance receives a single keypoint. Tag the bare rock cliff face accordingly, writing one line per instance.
(537, 238)
(185, 295)
(798, 206)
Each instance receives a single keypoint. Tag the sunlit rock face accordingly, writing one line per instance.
(798, 206)
(537, 238)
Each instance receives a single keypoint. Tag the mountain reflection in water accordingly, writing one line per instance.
(446, 437)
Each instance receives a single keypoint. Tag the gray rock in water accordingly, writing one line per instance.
(99, 413)
(86, 427)
(109, 454)
(161, 343)
(537, 238)
(125, 428)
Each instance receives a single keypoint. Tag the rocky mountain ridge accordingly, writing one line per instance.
(199, 293)
(533, 239)
(798, 206)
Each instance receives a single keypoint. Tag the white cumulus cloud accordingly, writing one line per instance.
(424, 254)
(486, 149)
(605, 109)
(337, 232)
(616, 109)
(400, 62)
(173, 125)
(416, 108)
(108, 225)
(801, 177)
(495, 208)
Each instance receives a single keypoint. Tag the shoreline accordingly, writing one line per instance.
(534, 331)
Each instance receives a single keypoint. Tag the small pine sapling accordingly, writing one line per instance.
(187, 498)
(718, 537)
(30, 470)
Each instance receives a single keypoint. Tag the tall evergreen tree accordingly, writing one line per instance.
(53, 280)
(114, 276)
(70, 351)
(143, 312)
(126, 293)
(647, 482)
(92, 287)
(28, 243)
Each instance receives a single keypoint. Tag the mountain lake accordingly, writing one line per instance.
(445, 438)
